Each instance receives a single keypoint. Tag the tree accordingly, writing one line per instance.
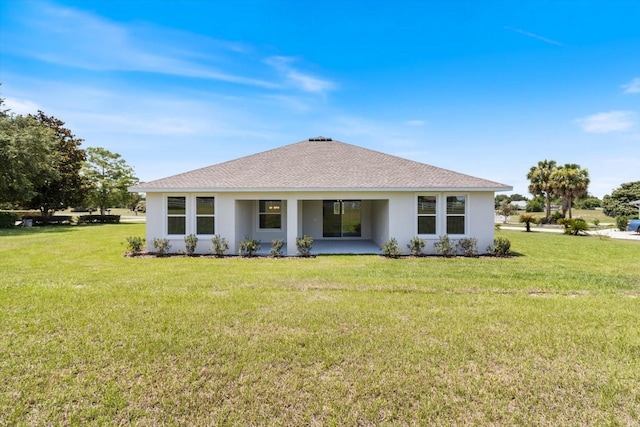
(527, 220)
(505, 210)
(617, 204)
(68, 186)
(109, 177)
(27, 150)
(541, 183)
(570, 182)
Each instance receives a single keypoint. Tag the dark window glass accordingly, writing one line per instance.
(455, 225)
(270, 215)
(176, 225)
(176, 205)
(426, 225)
(205, 225)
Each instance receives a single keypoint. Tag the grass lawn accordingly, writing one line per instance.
(89, 337)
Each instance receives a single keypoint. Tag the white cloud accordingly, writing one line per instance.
(79, 39)
(415, 123)
(613, 121)
(298, 79)
(533, 35)
(633, 86)
(21, 106)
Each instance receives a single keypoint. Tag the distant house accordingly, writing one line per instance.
(343, 196)
(520, 205)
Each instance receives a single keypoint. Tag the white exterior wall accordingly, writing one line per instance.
(384, 215)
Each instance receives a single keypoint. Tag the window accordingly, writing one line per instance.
(205, 215)
(426, 214)
(176, 215)
(270, 214)
(456, 209)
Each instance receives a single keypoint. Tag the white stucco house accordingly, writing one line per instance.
(341, 195)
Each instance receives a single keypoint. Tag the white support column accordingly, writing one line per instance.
(292, 226)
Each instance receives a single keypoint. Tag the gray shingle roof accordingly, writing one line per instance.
(320, 164)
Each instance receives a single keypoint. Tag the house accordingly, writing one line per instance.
(349, 199)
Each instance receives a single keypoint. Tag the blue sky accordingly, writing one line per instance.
(483, 88)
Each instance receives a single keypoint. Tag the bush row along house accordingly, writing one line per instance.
(340, 194)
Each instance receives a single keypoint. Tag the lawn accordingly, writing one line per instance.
(89, 337)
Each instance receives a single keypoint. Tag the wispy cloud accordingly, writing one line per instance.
(21, 106)
(75, 38)
(415, 123)
(633, 86)
(613, 121)
(534, 35)
(297, 78)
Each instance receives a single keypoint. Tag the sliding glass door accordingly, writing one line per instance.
(341, 218)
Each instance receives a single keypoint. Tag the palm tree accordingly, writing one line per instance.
(541, 183)
(570, 182)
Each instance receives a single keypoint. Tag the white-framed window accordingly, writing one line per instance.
(176, 215)
(270, 214)
(205, 215)
(427, 214)
(456, 214)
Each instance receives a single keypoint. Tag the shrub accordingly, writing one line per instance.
(8, 219)
(555, 217)
(190, 243)
(596, 222)
(534, 206)
(98, 219)
(468, 246)
(527, 219)
(390, 248)
(135, 244)
(220, 245)
(416, 246)
(575, 226)
(501, 247)
(276, 248)
(249, 247)
(445, 246)
(304, 245)
(161, 246)
(621, 223)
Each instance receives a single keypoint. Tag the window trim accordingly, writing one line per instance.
(196, 215)
(184, 215)
(465, 216)
(435, 215)
(260, 213)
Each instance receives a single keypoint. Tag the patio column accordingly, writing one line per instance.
(292, 226)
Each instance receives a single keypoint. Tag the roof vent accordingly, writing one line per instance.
(320, 138)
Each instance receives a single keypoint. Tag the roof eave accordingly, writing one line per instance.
(313, 189)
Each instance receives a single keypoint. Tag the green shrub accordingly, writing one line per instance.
(98, 219)
(134, 245)
(575, 226)
(276, 248)
(445, 246)
(596, 222)
(8, 219)
(220, 245)
(190, 243)
(304, 245)
(534, 206)
(501, 247)
(468, 246)
(527, 219)
(161, 246)
(416, 246)
(390, 248)
(249, 247)
(621, 223)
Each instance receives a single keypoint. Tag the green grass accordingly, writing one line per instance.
(89, 337)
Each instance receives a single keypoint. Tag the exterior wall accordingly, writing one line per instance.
(384, 215)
